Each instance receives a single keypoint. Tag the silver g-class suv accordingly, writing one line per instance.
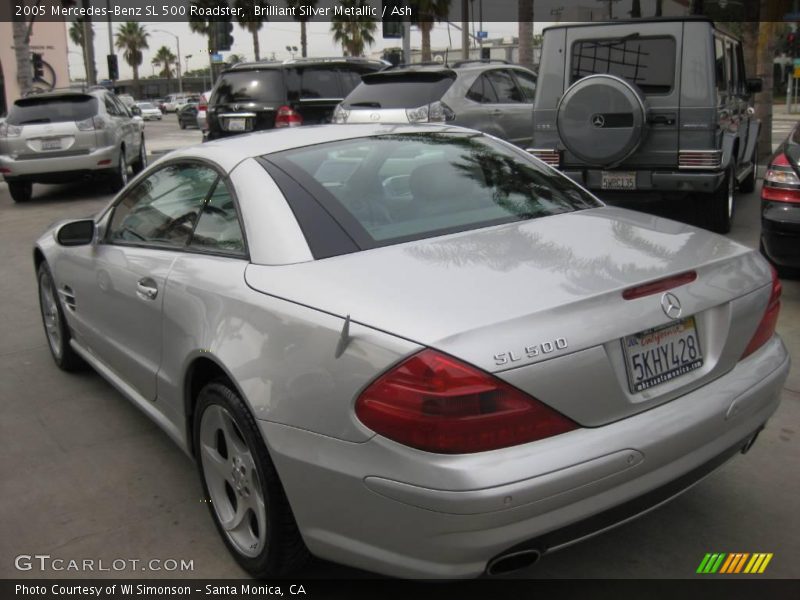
(649, 108)
(64, 136)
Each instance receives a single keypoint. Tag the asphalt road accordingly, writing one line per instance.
(85, 475)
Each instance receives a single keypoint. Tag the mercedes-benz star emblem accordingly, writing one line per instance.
(235, 107)
(671, 305)
(598, 120)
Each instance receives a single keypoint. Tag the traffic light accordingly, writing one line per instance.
(38, 65)
(113, 67)
(392, 23)
(223, 35)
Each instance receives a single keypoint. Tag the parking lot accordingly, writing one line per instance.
(85, 475)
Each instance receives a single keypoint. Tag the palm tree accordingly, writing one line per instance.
(353, 32)
(76, 34)
(429, 12)
(204, 26)
(525, 19)
(297, 4)
(248, 21)
(132, 39)
(165, 58)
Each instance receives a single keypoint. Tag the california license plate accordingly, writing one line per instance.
(618, 180)
(237, 124)
(661, 354)
(51, 144)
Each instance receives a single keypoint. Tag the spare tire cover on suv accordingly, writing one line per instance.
(601, 119)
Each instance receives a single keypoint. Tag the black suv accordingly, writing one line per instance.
(649, 108)
(265, 95)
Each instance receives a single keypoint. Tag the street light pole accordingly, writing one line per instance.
(178, 44)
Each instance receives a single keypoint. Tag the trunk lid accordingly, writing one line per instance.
(485, 296)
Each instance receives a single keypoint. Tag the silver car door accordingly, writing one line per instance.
(123, 295)
(526, 81)
(511, 110)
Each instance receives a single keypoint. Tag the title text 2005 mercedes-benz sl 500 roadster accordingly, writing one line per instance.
(413, 349)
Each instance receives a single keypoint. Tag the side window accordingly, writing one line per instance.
(719, 67)
(482, 91)
(733, 79)
(350, 79)
(740, 69)
(111, 107)
(507, 91)
(218, 229)
(122, 109)
(163, 208)
(527, 82)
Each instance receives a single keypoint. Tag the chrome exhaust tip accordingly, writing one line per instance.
(513, 561)
(749, 443)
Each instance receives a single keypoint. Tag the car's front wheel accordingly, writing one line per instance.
(55, 325)
(719, 204)
(141, 161)
(245, 495)
(20, 191)
(119, 176)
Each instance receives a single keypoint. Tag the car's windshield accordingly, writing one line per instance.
(400, 187)
(56, 109)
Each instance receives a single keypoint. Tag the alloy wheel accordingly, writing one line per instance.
(50, 315)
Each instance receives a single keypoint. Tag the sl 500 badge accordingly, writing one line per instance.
(534, 351)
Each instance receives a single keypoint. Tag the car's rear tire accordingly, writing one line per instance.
(719, 204)
(242, 488)
(119, 176)
(20, 191)
(55, 325)
(748, 184)
(141, 162)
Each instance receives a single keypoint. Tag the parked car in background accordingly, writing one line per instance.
(172, 102)
(268, 95)
(202, 111)
(191, 99)
(159, 102)
(127, 100)
(491, 96)
(62, 136)
(148, 111)
(649, 109)
(780, 207)
(428, 354)
(187, 115)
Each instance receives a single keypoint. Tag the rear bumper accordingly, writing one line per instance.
(780, 232)
(652, 180)
(394, 510)
(60, 168)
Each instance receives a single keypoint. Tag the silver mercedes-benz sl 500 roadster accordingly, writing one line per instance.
(416, 350)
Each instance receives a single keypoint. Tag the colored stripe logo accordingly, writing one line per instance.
(733, 563)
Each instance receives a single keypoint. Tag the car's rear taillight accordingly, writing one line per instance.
(437, 403)
(435, 112)
(699, 159)
(781, 183)
(766, 328)
(287, 117)
(8, 130)
(92, 123)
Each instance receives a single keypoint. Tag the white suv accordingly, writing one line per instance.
(58, 137)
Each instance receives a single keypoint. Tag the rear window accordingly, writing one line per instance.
(406, 90)
(647, 62)
(29, 111)
(392, 188)
(313, 82)
(250, 86)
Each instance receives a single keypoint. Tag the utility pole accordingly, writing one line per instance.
(88, 44)
(465, 29)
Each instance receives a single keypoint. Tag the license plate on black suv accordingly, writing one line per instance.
(618, 180)
(661, 354)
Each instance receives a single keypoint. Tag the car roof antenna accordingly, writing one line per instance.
(344, 338)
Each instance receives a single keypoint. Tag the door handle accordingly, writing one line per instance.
(146, 289)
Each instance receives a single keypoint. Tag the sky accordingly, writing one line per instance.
(273, 37)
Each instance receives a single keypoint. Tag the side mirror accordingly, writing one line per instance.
(76, 233)
(755, 85)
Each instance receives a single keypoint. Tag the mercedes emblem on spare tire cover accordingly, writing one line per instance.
(602, 119)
